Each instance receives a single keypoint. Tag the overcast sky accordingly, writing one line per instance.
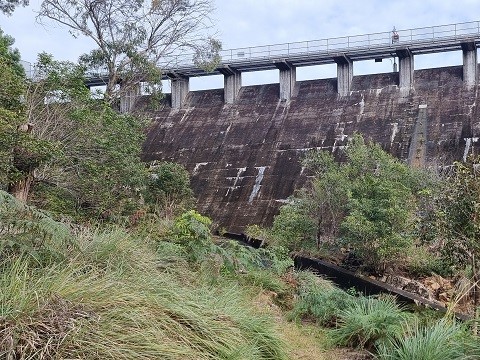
(242, 23)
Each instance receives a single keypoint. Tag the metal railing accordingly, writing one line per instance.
(431, 34)
(425, 36)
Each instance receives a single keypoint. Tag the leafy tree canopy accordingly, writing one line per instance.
(9, 6)
(366, 204)
(133, 36)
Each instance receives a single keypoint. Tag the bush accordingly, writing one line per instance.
(293, 228)
(169, 184)
(368, 321)
(445, 340)
(369, 202)
(192, 231)
(25, 230)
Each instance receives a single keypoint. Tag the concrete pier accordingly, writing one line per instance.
(180, 87)
(405, 68)
(128, 98)
(232, 83)
(288, 78)
(469, 50)
(344, 74)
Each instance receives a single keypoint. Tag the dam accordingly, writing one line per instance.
(243, 144)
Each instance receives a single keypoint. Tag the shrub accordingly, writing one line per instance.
(192, 231)
(293, 228)
(369, 201)
(169, 184)
(25, 230)
(368, 321)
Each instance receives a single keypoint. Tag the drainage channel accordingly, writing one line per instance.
(346, 279)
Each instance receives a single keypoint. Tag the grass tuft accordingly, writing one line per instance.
(368, 321)
(445, 340)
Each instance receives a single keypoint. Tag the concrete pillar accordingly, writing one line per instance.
(469, 50)
(344, 74)
(405, 68)
(232, 83)
(288, 78)
(180, 88)
(128, 97)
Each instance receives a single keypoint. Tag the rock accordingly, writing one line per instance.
(410, 285)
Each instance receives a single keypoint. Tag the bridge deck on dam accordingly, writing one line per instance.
(244, 157)
(424, 40)
(344, 51)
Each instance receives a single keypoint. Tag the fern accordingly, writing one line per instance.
(27, 230)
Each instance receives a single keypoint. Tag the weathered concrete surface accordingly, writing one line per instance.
(405, 68)
(180, 87)
(469, 51)
(344, 75)
(244, 157)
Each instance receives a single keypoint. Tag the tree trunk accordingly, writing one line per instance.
(476, 295)
(21, 188)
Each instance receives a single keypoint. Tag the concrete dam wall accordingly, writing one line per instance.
(244, 158)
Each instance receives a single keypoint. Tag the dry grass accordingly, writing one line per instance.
(41, 335)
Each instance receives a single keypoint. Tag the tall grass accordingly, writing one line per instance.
(113, 299)
(368, 322)
(319, 300)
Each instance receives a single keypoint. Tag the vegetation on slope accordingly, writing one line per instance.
(107, 295)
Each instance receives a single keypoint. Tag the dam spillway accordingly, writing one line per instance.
(244, 157)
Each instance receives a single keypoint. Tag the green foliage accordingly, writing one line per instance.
(368, 322)
(111, 301)
(107, 162)
(293, 227)
(168, 183)
(422, 262)
(27, 231)
(59, 201)
(20, 151)
(10, 55)
(192, 231)
(98, 152)
(445, 340)
(319, 300)
(366, 204)
(266, 280)
(241, 258)
(208, 57)
(458, 214)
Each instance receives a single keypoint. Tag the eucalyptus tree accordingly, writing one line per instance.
(9, 6)
(132, 37)
(20, 151)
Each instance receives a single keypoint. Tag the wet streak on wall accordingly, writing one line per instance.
(244, 157)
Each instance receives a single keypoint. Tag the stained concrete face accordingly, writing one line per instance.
(287, 81)
(232, 86)
(405, 69)
(128, 98)
(245, 158)
(344, 75)
(180, 87)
